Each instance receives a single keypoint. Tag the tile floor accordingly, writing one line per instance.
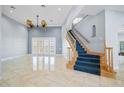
(43, 71)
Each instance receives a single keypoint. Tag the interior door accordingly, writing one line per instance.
(52, 45)
(44, 45)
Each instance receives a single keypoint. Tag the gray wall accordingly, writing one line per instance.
(50, 32)
(14, 38)
(85, 28)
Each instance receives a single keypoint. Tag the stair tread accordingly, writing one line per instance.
(91, 70)
(88, 58)
(87, 67)
(80, 50)
(90, 55)
(88, 62)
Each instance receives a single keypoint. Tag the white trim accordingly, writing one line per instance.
(116, 68)
(10, 58)
(58, 54)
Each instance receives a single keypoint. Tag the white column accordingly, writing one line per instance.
(0, 45)
(64, 41)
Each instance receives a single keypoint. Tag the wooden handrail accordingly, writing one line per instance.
(74, 41)
(89, 51)
(70, 35)
(72, 44)
(80, 41)
(101, 54)
(68, 52)
(82, 36)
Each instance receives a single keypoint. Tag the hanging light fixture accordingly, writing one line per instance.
(43, 24)
(37, 20)
(30, 24)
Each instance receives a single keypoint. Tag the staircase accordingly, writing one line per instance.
(82, 58)
(86, 62)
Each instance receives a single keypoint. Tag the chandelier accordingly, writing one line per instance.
(30, 24)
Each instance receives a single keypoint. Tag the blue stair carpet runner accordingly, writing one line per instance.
(86, 62)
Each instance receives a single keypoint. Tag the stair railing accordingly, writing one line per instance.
(81, 42)
(82, 36)
(71, 51)
(69, 54)
(108, 59)
(107, 63)
(85, 42)
(71, 39)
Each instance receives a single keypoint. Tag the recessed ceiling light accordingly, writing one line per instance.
(59, 9)
(12, 8)
(11, 11)
(51, 20)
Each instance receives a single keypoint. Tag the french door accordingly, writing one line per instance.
(44, 45)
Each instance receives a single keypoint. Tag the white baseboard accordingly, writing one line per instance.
(121, 59)
(10, 58)
(116, 68)
(58, 54)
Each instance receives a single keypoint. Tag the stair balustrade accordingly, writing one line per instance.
(80, 35)
(109, 59)
(107, 64)
(71, 51)
(69, 54)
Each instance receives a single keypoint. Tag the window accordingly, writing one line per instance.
(77, 20)
(121, 46)
(94, 31)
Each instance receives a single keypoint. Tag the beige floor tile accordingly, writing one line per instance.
(30, 71)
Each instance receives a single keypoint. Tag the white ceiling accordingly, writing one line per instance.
(95, 9)
(54, 15)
